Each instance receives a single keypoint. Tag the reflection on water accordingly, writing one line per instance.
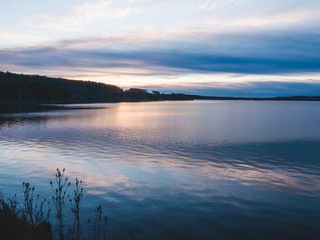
(178, 170)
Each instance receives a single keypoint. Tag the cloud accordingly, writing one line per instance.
(259, 53)
(255, 64)
(121, 16)
(171, 41)
(77, 16)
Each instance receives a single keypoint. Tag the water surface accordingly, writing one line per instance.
(177, 170)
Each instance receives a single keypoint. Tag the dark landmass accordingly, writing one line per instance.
(291, 98)
(28, 90)
(33, 89)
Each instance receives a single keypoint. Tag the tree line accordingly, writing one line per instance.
(22, 88)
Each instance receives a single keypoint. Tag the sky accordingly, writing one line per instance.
(253, 48)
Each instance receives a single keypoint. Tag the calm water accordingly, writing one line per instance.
(178, 170)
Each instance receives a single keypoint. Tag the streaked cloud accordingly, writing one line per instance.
(261, 53)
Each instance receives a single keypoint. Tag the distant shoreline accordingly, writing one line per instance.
(291, 98)
(191, 98)
(30, 91)
(187, 98)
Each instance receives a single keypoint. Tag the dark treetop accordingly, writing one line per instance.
(21, 88)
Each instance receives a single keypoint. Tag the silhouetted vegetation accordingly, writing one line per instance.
(21, 88)
(24, 89)
(31, 219)
(35, 88)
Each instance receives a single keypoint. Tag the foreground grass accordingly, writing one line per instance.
(31, 218)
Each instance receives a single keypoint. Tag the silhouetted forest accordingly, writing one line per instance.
(21, 88)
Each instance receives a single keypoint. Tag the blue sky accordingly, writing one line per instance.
(218, 47)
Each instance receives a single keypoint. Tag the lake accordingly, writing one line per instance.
(177, 170)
